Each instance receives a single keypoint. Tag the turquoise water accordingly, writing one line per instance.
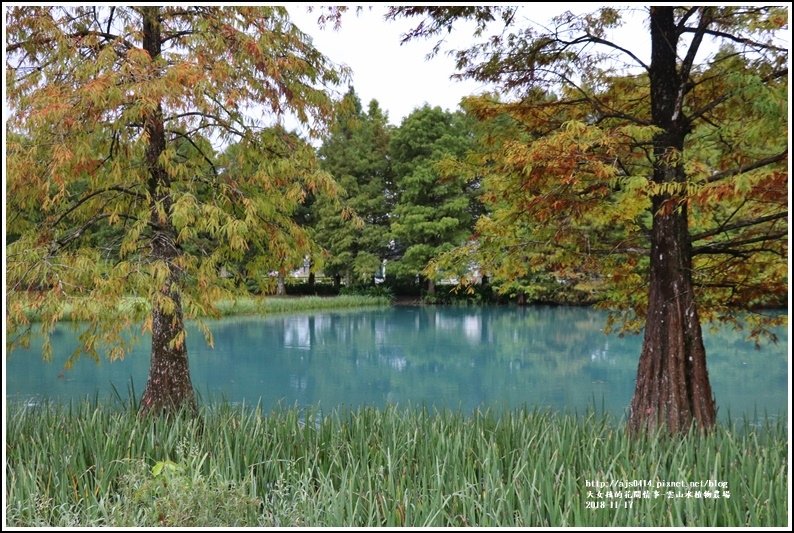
(458, 358)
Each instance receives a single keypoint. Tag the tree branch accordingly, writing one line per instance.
(743, 253)
(730, 247)
(199, 150)
(218, 121)
(110, 18)
(598, 40)
(176, 35)
(597, 103)
(738, 225)
(747, 168)
(686, 64)
(717, 101)
(735, 38)
(681, 23)
(114, 188)
(85, 33)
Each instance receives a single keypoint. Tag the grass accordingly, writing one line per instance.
(261, 305)
(97, 466)
(248, 305)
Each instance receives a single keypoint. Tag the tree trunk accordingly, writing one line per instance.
(672, 389)
(169, 387)
(672, 386)
(431, 287)
(281, 288)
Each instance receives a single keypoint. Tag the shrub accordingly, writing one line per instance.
(178, 494)
(318, 289)
(375, 291)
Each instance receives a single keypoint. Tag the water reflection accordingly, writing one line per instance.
(297, 333)
(444, 357)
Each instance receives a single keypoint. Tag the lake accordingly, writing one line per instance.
(444, 357)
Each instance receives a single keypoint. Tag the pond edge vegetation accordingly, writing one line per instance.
(91, 465)
(248, 305)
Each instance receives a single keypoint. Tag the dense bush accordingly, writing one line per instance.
(378, 291)
(295, 288)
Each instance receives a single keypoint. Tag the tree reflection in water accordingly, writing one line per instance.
(445, 357)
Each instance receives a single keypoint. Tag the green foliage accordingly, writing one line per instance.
(181, 494)
(355, 230)
(248, 305)
(436, 202)
(324, 288)
(283, 173)
(375, 291)
(266, 306)
(462, 295)
(84, 466)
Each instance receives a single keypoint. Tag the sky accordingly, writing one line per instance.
(397, 76)
(400, 77)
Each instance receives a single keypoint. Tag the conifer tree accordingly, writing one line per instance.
(433, 210)
(114, 115)
(662, 178)
(354, 230)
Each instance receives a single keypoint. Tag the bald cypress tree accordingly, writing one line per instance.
(115, 112)
(663, 179)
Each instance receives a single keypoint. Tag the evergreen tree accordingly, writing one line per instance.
(355, 229)
(434, 210)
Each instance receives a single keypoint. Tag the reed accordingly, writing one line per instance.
(88, 465)
(244, 305)
(272, 305)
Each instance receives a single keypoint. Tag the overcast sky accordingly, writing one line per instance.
(398, 76)
(402, 79)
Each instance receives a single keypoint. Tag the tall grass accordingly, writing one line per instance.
(248, 305)
(265, 305)
(89, 466)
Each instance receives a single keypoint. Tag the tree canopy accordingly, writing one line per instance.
(433, 211)
(118, 119)
(355, 229)
(628, 172)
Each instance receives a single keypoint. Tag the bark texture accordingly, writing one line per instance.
(169, 387)
(672, 388)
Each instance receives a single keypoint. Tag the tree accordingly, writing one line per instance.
(294, 176)
(356, 154)
(115, 111)
(669, 173)
(433, 212)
